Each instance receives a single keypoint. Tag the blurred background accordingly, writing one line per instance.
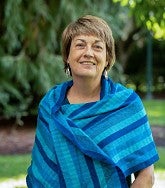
(31, 63)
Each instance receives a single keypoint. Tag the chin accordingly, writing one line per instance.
(86, 73)
(88, 76)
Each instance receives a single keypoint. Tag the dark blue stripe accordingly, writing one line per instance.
(28, 182)
(97, 119)
(101, 118)
(71, 123)
(142, 165)
(96, 153)
(131, 98)
(104, 115)
(62, 95)
(50, 163)
(40, 116)
(32, 181)
(122, 132)
(122, 178)
(42, 119)
(81, 109)
(92, 171)
(142, 150)
(129, 101)
(61, 177)
(65, 130)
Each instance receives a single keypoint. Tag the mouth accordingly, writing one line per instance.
(87, 63)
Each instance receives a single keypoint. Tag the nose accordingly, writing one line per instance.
(88, 52)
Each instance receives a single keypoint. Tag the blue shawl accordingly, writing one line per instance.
(95, 144)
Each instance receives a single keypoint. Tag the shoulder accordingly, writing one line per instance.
(126, 94)
(118, 88)
(52, 96)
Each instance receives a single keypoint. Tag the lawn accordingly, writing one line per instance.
(155, 111)
(160, 165)
(13, 166)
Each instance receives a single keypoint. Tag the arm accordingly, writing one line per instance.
(144, 178)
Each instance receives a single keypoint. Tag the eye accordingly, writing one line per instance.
(80, 45)
(98, 47)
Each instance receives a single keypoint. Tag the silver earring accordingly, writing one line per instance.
(106, 74)
(67, 72)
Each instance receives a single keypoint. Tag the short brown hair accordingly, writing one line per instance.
(89, 25)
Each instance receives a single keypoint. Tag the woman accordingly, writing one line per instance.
(91, 132)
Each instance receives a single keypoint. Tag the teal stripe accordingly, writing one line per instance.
(142, 165)
(66, 111)
(43, 130)
(40, 178)
(39, 167)
(143, 158)
(80, 165)
(99, 107)
(83, 108)
(117, 127)
(45, 145)
(133, 148)
(67, 164)
(100, 173)
(122, 133)
(91, 168)
(114, 122)
(129, 139)
(40, 155)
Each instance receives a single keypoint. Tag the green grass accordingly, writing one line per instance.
(13, 166)
(160, 165)
(155, 111)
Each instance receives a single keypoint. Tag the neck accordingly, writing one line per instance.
(84, 91)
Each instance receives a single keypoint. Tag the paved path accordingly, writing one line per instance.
(159, 183)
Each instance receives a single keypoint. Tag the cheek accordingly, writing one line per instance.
(73, 55)
(103, 60)
(70, 57)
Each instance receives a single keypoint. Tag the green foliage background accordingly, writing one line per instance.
(30, 35)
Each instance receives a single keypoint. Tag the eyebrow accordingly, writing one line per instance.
(82, 40)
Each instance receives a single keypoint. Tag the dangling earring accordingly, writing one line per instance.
(105, 74)
(67, 71)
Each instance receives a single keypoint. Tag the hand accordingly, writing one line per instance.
(144, 178)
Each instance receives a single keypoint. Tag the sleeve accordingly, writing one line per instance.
(43, 171)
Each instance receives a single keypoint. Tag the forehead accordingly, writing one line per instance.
(87, 38)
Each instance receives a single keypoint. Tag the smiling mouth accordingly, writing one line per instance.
(87, 63)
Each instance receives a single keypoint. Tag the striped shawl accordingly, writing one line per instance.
(95, 144)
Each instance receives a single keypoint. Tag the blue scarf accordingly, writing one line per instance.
(95, 144)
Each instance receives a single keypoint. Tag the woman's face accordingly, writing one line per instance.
(87, 57)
